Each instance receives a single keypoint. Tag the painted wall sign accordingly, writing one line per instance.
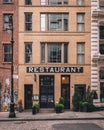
(54, 69)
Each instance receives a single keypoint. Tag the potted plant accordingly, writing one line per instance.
(59, 108)
(76, 100)
(35, 108)
(20, 106)
(84, 106)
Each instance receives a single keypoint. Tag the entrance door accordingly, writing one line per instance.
(65, 90)
(46, 91)
(28, 91)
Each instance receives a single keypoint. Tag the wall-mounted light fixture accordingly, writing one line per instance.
(35, 77)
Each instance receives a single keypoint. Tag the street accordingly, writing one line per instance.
(53, 125)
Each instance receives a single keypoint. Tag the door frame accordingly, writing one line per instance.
(31, 87)
(47, 94)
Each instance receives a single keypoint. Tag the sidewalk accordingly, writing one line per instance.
(66, 115)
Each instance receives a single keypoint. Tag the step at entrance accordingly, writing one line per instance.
(48, 110)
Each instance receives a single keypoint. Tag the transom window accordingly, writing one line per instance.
(28, 2)
(28, 21)
(8, 1)
(54, 52)
(7, 21)
(54, 22)
(7, 52)
(80, 2)
(80, 22)
(54, 2)
(28, 52)
(81, 53)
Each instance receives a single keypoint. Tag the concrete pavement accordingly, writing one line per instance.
(66, 115)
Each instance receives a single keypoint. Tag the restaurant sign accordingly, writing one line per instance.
(54, 69)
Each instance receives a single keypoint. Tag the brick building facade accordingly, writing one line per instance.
(7, 8)
(54, 51)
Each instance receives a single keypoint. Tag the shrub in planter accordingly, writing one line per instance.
(35, 109)
(61, 100)
(59, 108)
(76, 100)
(84, 106)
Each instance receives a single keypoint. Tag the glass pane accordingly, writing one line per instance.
(54, 53)
(43, 22)
(43, 53)
(65, 53)
(80, 18)
(101, 48)
(55, 22)
(80, 2)
(80, 59)
(28, 2)
(102, 92)
(101, 32)
(28, 52)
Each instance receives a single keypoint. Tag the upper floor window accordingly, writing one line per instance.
(28, 52)
(7, 21)
(101, 4)
(101, 73)
(7, 52)
(80, 2)
(81, 53)
(54, 22)
(101, 47)
(28, 2)
(8, 1)
(28, 21)
(54, 2)
(80, 22)
(101, 32)
(54, 52)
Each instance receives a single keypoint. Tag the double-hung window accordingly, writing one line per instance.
(54, 22)
(54, 52)
(81, 53)
(28, 52)
(54, 2)
(28, 21)
(6, 19)
(80, 22)
(7, 52)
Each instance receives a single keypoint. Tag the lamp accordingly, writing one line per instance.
(12, 111)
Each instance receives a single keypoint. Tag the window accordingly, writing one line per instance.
(7, 52)
(28, 52)
(80, 53)
(28, 2)
(101, 73)
(54, 22)
(101, 32)
(101, 4)
(54, 2)
(52, 52)
(101, 48)
(102, 92)
(80, 22)
(28, 21)
(8, 1)
(80, 2)
(6, 18)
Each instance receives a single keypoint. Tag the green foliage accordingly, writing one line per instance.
(61, 100)
(58, 105)
(76, 99)
(35, 106)
(84, 103)
(94, 94)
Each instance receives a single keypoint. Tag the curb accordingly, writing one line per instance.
(50, 119)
